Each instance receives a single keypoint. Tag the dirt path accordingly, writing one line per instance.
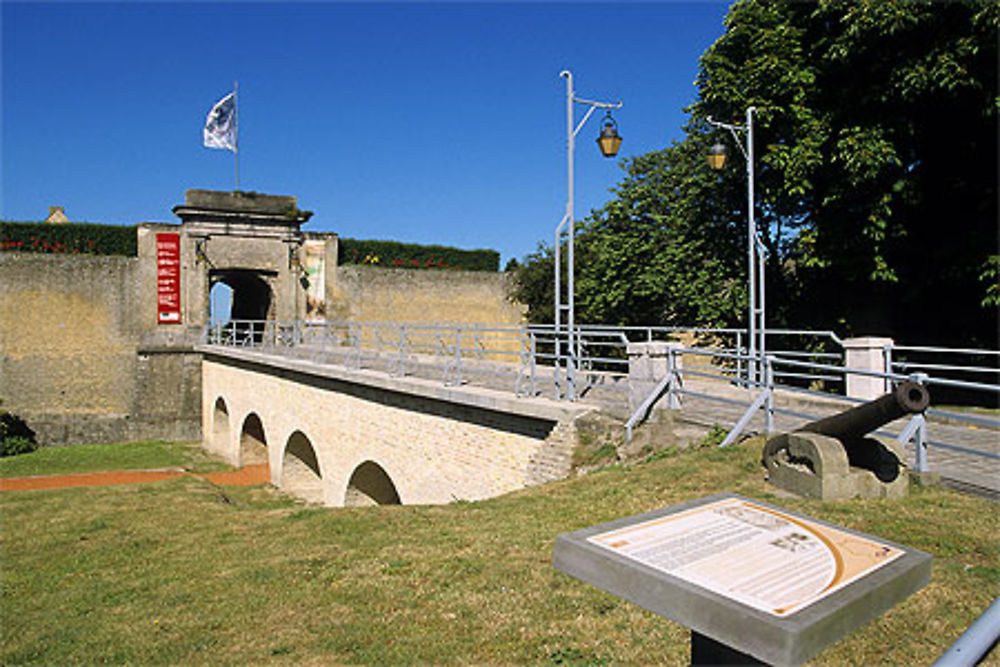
(246, 476)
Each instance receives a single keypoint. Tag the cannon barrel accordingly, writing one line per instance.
(907, 398)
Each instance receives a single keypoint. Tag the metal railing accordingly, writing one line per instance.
(813, 365)
(915, 429)
(961, 370)
(976, 642)
(455, 354)
(523, 359)
(674, 388)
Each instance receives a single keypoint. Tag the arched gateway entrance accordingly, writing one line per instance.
(250, 294)
(247, 244)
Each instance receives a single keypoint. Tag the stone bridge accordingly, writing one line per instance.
(344, 426)
(340, 436)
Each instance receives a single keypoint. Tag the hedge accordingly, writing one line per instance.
(94, 239)
(414, 256)
(78, 238)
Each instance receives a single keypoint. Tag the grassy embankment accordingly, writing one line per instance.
(119, 456)
(182, 572)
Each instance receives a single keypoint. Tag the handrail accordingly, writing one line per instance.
(602, 349)
(641, 412)
(520, 359)
(976, 642)
(946, 350)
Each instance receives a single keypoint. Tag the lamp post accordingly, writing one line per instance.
(755, 248)
(567, 350)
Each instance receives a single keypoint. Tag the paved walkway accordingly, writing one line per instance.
(246, 476)
(966, 456)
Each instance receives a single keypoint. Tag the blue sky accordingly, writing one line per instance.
(423, 122)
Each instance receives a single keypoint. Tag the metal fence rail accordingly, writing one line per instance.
(703, 361)
(976, 642)
(963, 369)
(601, 352)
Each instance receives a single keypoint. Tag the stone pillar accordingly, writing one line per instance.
(648, 363)
(866, 354)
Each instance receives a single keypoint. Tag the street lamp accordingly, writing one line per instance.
(609, 141)
(567, 350)
(716, 156)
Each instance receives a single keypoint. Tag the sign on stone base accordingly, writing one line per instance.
(763, 581)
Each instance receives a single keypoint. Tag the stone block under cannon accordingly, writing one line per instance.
(838, 457)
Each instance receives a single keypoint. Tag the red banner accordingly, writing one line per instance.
(168, 278)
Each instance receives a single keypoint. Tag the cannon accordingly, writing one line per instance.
(838, 457)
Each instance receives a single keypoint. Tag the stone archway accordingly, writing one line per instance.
(252, 296)
(220, 426)
(251, 301)
(220, 303)
(370, 485)
(300, 470)
(253, 442)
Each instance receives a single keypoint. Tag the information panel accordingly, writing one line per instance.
(168, 278)
(757, 555)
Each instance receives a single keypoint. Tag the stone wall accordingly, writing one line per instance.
(376, 294)
(82, 358)
(67, 332)
(69, 335)
(435, 448)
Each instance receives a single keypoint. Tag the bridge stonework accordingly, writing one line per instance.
(340, 436)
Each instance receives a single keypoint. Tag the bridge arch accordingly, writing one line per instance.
(253, 441)
(370, 484)
(301, 473)
(328, 430)
(220, 426)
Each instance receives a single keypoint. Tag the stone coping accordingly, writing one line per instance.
(476, 397)
(240, 201)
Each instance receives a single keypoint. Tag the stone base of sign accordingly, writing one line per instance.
(818, 466)
(745, 629)
(706, 651)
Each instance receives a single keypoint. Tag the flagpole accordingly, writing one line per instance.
(236, 112)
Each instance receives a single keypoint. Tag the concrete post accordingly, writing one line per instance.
(866, 354)
(648, 363)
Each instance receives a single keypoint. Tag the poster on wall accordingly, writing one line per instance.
(314, 253)
(168, 278)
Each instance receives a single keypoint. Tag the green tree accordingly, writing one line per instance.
(663, 251)
(877, 138)
(650, 255)
(532, 284)
(876, 165)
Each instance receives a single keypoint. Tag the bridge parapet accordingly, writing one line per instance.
(705, 381)
(337, 435)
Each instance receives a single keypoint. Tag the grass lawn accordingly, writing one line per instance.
(183, 572)
(118, 456)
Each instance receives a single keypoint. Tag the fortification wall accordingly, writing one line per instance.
(80, 361)
(376, 294)
(69, 336)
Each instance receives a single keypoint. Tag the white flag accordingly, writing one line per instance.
(220, 126)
